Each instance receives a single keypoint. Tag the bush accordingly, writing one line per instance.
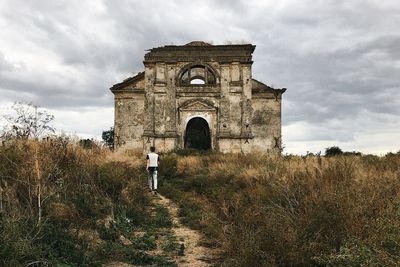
(167, 168)
(333, 151)
(111, 178)
(108, 234)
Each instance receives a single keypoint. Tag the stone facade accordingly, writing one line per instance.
(212, 83)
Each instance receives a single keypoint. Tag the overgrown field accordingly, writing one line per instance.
(62, 205)
(291, 211)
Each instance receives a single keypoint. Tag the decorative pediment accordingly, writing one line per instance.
(197, 105)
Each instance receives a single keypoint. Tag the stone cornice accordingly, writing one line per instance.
(189, 53)
(231, 136)
(128, 91)
(164, 135)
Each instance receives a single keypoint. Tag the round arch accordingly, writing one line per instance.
(197, 134)
(197, 70)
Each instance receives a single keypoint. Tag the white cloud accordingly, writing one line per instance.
(367, 132)
(84, 122)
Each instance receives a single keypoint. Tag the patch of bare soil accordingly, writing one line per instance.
(191, 252)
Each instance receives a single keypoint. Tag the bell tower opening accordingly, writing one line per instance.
(197, 134)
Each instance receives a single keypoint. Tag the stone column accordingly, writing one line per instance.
(149, 124)
(247, 108)
(170, 120)
(247, 111)
(224, 103)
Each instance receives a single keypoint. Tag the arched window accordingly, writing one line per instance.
(197, 75)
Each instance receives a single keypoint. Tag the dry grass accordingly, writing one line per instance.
(188, 165)
(260, 210)
(134, 159)
(56, 198)
(295, 211)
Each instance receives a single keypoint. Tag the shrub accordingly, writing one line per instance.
(168, 165)
(111, 178)
(61, 213)
(146, 242)
(333, 151)
(108, 234)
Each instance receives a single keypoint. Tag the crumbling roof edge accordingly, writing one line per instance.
(267, 88)
(128, 81)
(203, 47)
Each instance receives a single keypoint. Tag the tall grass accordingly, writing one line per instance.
(259, 210)
(293, 211)
(88, 198)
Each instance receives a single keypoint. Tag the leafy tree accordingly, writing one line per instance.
(333, 151)
(108, 137)
(27, 121)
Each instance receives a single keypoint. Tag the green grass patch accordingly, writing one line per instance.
(170, 244)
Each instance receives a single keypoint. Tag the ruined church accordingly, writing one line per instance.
(198, 96)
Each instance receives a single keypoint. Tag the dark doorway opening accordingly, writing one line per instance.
(197, 135)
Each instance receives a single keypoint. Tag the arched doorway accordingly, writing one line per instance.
(197, 134)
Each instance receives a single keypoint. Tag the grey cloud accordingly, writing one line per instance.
(343, 81)
(338, 59)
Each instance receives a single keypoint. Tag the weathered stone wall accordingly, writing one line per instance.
(154, 107)
(266, 122)
(129, 114)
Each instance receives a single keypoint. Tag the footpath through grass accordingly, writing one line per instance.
(63, 205)
(290, 211)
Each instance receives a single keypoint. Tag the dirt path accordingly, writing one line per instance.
(194, 254)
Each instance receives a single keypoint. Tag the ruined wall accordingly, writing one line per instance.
(129, 114)
(154, 107)
(236, 108)
(160, 112)
(266, 122)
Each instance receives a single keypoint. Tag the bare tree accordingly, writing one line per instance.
(27, 121)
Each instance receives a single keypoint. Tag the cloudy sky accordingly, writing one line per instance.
(340, 60)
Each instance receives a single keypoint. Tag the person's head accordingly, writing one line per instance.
(152, 149)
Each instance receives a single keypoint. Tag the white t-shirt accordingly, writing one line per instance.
(153, 158)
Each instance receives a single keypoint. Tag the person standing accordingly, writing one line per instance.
(153, 160)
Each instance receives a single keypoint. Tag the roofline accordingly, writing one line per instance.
(198, 47)
(127, 81)
(269, 88)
